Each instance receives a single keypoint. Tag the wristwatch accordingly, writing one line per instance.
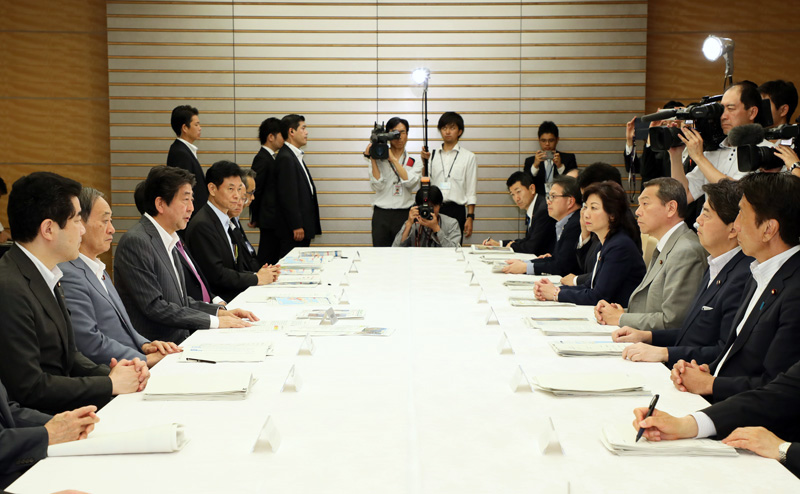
(783, 448)
(794, 165)
(471, 215)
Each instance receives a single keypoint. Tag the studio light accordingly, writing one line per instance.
(421, 76)
(715, 47)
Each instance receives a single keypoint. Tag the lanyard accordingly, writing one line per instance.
(451, 166)
(402, 163)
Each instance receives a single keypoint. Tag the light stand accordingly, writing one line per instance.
(715, 47)
(422, 76)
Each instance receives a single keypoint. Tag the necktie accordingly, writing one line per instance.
(206, 297)
(527, 221)
(234, 243)
(656, 253)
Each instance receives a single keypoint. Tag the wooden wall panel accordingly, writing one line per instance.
(54, 91)
(504, 65)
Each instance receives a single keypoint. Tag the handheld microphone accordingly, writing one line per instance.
(746, 134)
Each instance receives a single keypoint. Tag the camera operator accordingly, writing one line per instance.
(740, 104)
(394, 181)
(439, 230)
(454, 170)
(652, 164)
(782, 98)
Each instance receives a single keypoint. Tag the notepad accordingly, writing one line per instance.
(588, 349)
(166, 438)
(227, 352)
(621, 440)
(594, 384)
(530, 302)
(213, 386)
(583, 327)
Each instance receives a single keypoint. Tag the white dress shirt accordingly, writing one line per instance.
(459, 170)
(662, 242)
(170, 241)
(270, 151)
(299, 153)
(51, 276)
(98, 268)
(725, 160)
(384, 187)
(529, 215)
(715, 264)
(191, 146)
(762, 274)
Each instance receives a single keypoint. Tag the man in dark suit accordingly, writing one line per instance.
(197, 285)
(751, 420)
(213, 240)
(264, 210)
(563, 205)
(709, 320)
(39, 363)
(540, 233)
(246, 250)
(297, 194)
(548, 163)
(102, 327)
(26, 433)
(148, 271)
(764, 340)
(183, 152)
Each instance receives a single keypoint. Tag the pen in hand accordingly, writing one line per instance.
(649, 413)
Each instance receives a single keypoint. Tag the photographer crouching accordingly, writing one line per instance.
(394, 176)
(425, 227)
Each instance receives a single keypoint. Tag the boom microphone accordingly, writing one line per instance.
(660, 115)
(746, 134)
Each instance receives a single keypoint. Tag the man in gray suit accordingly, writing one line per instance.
(148, 271)
(26, 433)
(102, 327)
(664, 296)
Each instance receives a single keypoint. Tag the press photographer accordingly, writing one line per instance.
(740, 105)
(425, 227)
(394, 176)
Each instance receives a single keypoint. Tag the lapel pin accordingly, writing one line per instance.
(719, 282)
(774, 291)
(661, 261)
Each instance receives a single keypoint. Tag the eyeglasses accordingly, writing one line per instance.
(552, 197)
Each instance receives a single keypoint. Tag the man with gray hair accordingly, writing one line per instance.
(102, 327)
(662, 299)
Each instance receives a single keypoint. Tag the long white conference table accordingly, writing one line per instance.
(428, 409)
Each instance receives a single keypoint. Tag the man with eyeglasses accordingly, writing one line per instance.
(563, 206)
(540, 237)
(549, 163)
(246, 195)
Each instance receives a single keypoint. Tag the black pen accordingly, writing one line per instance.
(649, 413)
(190, 359)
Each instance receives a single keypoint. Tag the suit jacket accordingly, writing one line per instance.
(102, 327)
(247, 253)
(651, 165)
(23, 440)
(540, 237)
(182, 157)
(157, 302)
(192, 283)
(661, 300)
(296, 204)
(619, 269)
(708, 322)
(769, 342)
(587, 256)
(564, 259)
(567, 160)
(264, 210)
(39, 364)
(211, 245)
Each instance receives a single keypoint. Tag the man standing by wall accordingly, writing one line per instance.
(183, 152)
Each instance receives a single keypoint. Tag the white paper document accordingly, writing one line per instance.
(594, 384)
(588, 349)
(483, 249)
(339, 313)
(570, 328)
(340, 330)
(531, 302)
(621, 440)
(227, 352)
(296, 280)
(165, 438)
(227, 385)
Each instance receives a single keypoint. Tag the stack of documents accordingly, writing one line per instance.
(554, 326)
(588, 349)
(230, 385)
(296, 280)
(596, 384)
(227, 352)
(483, 249)
(301, 262)
(165, 438)
(621, 440)
(531, 302)
(340, 314)
(339, 330)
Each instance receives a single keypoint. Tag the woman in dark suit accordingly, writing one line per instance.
(620, 267)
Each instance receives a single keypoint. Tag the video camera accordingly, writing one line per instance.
(425, 205)
(704, 116)
(750, 156)
(380, 141)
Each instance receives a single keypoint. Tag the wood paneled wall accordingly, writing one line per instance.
(505, 65)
